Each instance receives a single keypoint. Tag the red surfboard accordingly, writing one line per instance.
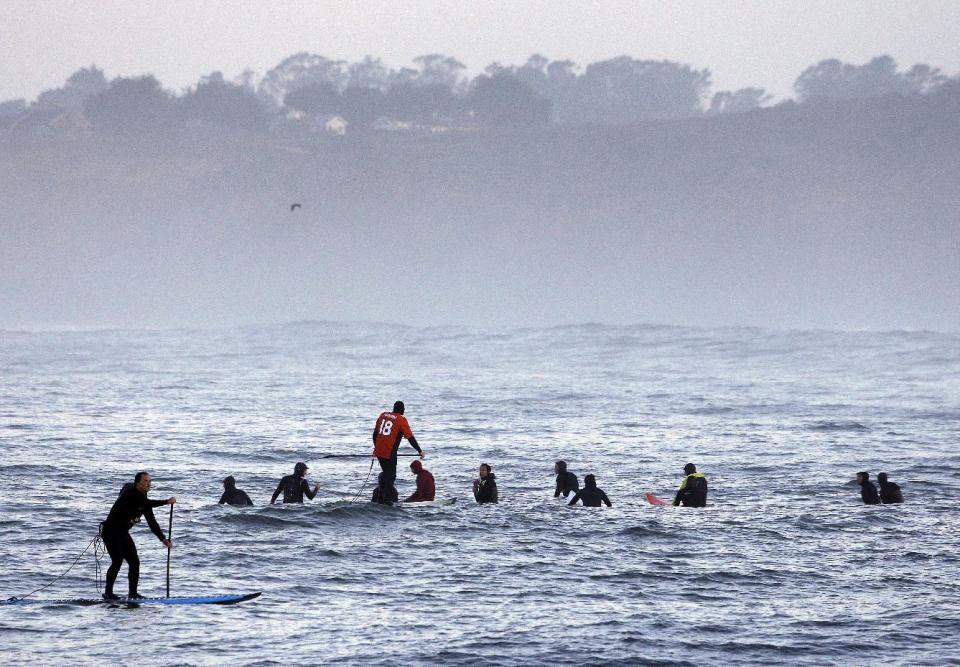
(653, 500)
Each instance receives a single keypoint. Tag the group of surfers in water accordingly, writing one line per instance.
(389, 431)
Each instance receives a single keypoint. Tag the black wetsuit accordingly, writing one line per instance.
(890, 493)
(692, 491)
(869, 493)
(388, 468)
(487, 490)
(566, 482)
(591, 496)
(125, 513)
(385, 495)
(235, 497)
(293, 488)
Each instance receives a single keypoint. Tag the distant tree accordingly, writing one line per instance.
(247, 79)
(218, 102)
(316, 99)
(369, 73)
(361, 106)
(924, 79)
(623, 90)
(835, 80)
(738, 101)
(130, 104)
(555, 80)
(502, 99)
(13, 107)
(79, 86)
(299, 70)
(421, 104)
(435, 68)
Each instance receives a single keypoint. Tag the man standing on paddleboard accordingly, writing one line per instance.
(391, 428)
(131, 504)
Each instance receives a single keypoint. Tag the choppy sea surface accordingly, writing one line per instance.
(785, 565)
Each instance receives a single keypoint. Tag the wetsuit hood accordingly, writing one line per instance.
(590, 482)
(416, 467)
(229, 482)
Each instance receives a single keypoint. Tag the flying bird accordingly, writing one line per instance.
(294, 207)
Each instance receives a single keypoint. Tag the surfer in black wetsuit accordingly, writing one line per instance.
(566, 481)
(890, 493)
(590, 494)
(294, 487)
(867, 489)
(232, 495)
(385, 495)
(130, 505)
(485, 486)
(693, 488)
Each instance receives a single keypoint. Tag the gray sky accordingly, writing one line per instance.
(743, 42)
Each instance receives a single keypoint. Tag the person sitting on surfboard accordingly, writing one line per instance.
(693, 488)
(590, 494)
(115, 532)
(391, 428)
(232, 495)
(425, 486)
(868, 492)
(294, 487)
(566, 481)
(385, 495)
(889, 491)
(485, 488)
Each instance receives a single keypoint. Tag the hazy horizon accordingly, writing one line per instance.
(629, 190)
(745, 44)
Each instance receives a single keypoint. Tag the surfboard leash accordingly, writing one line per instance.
(369, 472)
(97, 545)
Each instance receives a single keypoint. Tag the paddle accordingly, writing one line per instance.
(170, 548)
(352, 456)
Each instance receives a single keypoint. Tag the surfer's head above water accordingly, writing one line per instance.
(689, 469)
(229, 482)
(398, 408)
(415, 466)
(300, 469)
(882, 478)
(862, 477)
(560, 467)
(589, 481)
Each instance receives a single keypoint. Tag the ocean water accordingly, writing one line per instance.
(785, 565)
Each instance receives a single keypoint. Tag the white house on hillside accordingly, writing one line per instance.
(336, 125)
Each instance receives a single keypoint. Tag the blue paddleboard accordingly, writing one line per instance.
(202, 599)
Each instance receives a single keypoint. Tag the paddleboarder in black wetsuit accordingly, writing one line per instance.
(131, 504)
(868, 492)
(566, 480)
(294, 487)
(590, 494)
(890, 493)
(232, 495)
